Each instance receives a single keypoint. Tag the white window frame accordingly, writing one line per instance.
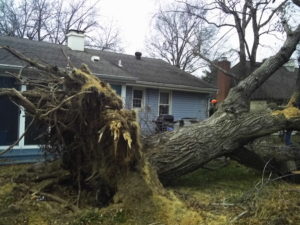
(143, 98)
(123, 94)
(21, 144)
(170, 100)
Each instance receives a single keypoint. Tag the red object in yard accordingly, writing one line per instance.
(214, 101)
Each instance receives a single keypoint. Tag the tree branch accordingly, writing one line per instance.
(19, 98)
(235, 77)
(238, 98)
(272, 14)
(63, 102)
(18, 140)
(46, 68)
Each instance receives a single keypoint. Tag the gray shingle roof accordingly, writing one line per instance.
(55, 55)
(145, 70)
(279, 86)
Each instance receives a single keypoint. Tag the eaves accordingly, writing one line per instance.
(173, 87)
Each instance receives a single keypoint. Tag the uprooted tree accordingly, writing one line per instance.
(99, 141)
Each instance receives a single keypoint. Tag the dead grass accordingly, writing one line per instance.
(223, 196)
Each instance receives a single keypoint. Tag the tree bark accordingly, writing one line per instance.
(177, 153)
(229, 129)
(264, 153)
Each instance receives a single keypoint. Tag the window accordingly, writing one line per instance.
(164, 103)
(117, 88)
(137, 99)
(13, 122)
(35, 131)
(33, 136)
(9, 114)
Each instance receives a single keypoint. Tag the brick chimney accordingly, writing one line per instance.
(75, 40)
(223, 81)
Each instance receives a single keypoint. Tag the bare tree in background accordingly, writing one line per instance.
(77, 15)
(50, 20)
(178, 37)
(256, 16)
(107, 38)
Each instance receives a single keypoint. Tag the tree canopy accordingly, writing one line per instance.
(178, 38)
(47, 20)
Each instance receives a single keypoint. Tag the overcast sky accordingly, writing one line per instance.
(133, 17)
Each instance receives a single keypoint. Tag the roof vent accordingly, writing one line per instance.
(138, 55)
(120, 63)
(95, 58)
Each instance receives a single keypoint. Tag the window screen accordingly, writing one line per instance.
(164, 103)
(137, 98)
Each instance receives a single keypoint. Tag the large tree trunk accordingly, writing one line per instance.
(266, 153)
(177, 153)
(229, 129)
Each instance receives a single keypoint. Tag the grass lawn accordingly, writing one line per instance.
(238, 195)
(232, 194)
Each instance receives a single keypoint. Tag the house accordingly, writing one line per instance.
(150, 86)
(275, 91)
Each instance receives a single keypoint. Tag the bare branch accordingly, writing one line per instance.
(179, 37)
(19, 98)
(45, 68)
(48, 20)
(63, 102)
(228, 73)
(239, 95)
(19, 139)
(272, 14)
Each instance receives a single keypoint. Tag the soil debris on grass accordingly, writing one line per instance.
(232, 194)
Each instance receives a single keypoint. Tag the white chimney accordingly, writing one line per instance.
(76, 40)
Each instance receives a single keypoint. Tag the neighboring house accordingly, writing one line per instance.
(277, 89)
(149, 86)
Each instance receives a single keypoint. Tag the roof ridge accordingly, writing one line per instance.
(120, 53)
(148, 70)
(35, 41)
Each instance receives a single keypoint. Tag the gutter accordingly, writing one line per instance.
(115, 77)
(10, 66)
(133, 81)
(104, 76)
(176, 87)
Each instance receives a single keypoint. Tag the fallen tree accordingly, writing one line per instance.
(230, 128)
(99, 141)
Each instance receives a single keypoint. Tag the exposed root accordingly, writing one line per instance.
(84, 124)
(289, 112)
